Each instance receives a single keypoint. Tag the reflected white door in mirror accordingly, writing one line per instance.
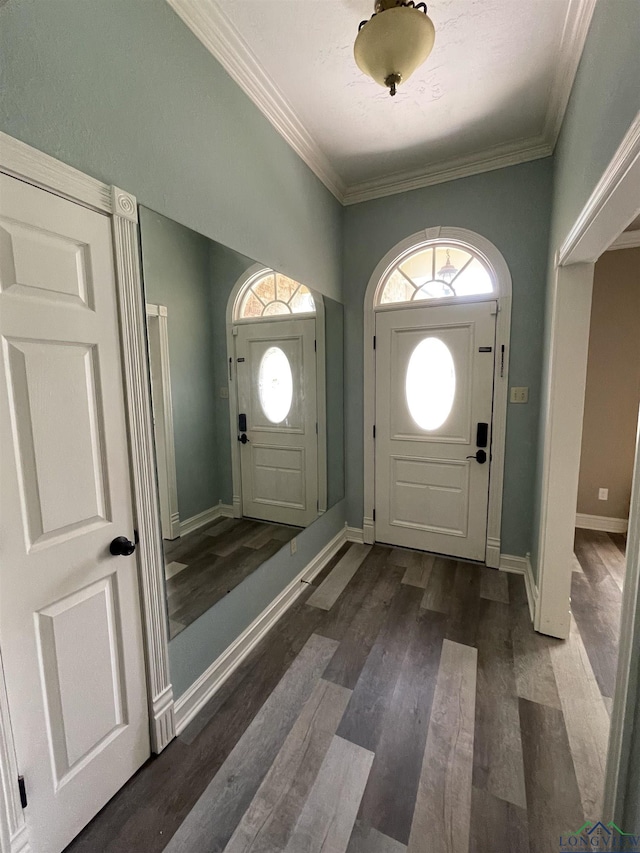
(277, 420)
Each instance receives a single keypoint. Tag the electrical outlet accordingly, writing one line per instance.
(294, 545)
(224, 392)
(603, 494)
(519, 395)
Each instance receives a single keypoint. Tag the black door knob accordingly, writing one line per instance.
(122, 547)
(480, 456)
(243, 438)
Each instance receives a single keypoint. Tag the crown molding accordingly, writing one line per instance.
(574, 34)
(509, 154)
(627, 240)
(214, 30)
(210, 25)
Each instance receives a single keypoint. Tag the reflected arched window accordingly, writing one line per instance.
(436, 271)
(271, 294)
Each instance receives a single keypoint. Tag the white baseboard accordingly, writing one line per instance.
(601, 522)
(196, 697)
(206, 517)
(522, 566)
(354, 534)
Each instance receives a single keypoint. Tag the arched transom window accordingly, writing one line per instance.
(436, 271)
(271, 294)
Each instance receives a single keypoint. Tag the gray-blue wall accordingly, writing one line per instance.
(175, 262)
(510, 207)
(122, 90)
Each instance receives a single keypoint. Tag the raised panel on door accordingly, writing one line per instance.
(434, 383)
(277, 394)
(70, 622)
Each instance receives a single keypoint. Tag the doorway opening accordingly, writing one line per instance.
(437, 324)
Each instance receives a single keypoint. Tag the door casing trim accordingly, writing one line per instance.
(21, 161)
(502, 294)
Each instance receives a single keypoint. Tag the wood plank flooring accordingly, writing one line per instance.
(204, 566)
(414, 711)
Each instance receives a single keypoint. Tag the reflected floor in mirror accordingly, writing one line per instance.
(203, 566)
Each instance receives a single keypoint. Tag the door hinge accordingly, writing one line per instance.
(23, 792)
(316, 427)
(374, 341)
(374, 430)
(315, 346)
(374, 515)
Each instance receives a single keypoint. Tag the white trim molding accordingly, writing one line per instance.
(613, 204)
(205, 517)
(627, 240)
(354, 534)
(212, 28)
(21, 161)
(522, 566)
(601, 522)
(203, 689)
(502, 294)
(158, 337)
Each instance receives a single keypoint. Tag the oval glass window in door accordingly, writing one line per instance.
(275, 385)
(430, 384)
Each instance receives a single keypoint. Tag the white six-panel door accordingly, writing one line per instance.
(434, 385)
(70, 623)
(276, 369)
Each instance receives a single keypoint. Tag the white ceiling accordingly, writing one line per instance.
(492, 92)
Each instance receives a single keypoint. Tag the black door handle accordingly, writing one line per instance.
(243, 438)
(480, 456)
(122, 547)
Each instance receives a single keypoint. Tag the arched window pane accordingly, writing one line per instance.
(265, 288)
(436, 272)
(275, 308)
(473, 280)
(419, 267)
(274, 294)
(285, 287)
(397, 289)
(251, 306)
(302, 302)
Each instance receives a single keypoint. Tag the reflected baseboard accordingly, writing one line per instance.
(354, 534)
(201, 691)
(219, 511)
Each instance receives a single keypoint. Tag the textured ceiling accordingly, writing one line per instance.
(487, 83)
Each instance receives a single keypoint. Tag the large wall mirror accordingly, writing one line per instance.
(247, 392)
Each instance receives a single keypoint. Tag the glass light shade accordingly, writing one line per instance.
(394, 42)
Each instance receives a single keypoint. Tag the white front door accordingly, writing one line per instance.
(434, 396)
(277, 423)
(70, 622)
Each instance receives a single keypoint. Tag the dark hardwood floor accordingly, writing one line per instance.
(202, 567)
(404, 703)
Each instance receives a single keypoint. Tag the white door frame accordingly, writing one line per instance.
(232, 323)
(502, 281)
(158, 320)
(28, 164)
(614, 203)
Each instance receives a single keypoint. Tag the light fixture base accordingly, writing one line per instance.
(392, 81)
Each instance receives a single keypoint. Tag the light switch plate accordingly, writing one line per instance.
(603, 494)
(224, 393)
(519, 395)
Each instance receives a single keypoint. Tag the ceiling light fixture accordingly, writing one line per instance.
(395, 41)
